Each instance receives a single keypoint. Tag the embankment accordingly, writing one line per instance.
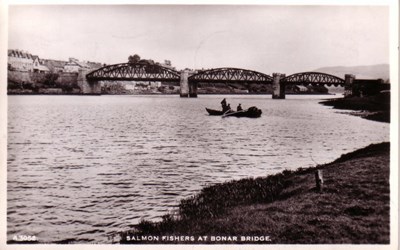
(286, 208)
(42, 83)
(376, 108)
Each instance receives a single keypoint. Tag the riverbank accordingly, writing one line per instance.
(286, 208)
(375, 108)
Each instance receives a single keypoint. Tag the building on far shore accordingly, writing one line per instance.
(24, 61)
(20, 60)
(38, 65)
(94, 65)
(55, 66)
(368, 87)
(300, 89)
(74, 65)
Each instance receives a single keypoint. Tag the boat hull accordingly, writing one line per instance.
(252, 112)
(214, 112)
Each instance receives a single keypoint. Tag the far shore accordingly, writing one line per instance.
(375, 108)
(168, 94)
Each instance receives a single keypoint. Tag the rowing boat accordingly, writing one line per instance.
(252, 112)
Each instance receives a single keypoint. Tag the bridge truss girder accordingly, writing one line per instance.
(230, 75)
(313, 78)
(134, 72)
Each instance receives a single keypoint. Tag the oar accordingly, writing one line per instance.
(228, 114)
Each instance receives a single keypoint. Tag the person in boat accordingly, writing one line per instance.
(227, 108)
(223, 102)
(224, 106)
(239, 107)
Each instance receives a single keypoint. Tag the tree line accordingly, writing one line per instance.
(133, 59)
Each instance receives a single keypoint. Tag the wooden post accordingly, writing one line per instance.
(319, 181)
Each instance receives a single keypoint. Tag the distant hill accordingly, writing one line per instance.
(361, 72)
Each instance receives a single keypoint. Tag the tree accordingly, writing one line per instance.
(50, 79)
(167, 62)
(134, 59)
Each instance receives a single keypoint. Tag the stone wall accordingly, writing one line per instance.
(19, 77)
(67, 78)
(86, 86)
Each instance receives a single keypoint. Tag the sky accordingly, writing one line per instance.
(266, 38)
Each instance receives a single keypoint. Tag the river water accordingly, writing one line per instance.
(82, 167)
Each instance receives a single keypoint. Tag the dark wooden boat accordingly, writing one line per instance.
(252, 112)
(214, 112)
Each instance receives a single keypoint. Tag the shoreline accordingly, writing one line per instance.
(206, 214)
(374, 108)
(353, 207)
(177, 94)
(287, 208)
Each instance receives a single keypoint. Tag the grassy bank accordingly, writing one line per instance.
(286, 208)
(376, 108)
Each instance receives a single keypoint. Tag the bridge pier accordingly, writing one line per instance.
(278, 86)
(348, 85)
(193, 89)
(88, 87)
(187, 89)
(184, 84)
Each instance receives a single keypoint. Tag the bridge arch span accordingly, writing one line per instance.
(313, 78)
(134, 72)
(230, 75)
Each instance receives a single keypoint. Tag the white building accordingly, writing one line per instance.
(300, 88)
(20, 60)
(54, 65)
(24, 61)
(74, 65)
(38, 66)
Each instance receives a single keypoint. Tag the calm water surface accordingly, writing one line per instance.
(83, 167)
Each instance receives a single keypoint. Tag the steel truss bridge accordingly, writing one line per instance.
(134, 72)
(155, 72)
(313, 78)
(230, 75)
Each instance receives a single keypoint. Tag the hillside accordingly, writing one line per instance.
(361, 72)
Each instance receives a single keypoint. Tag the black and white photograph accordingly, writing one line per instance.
(235, 124)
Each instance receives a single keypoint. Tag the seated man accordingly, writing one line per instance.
(228, 108)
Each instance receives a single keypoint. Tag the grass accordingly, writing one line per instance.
(353, 207)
